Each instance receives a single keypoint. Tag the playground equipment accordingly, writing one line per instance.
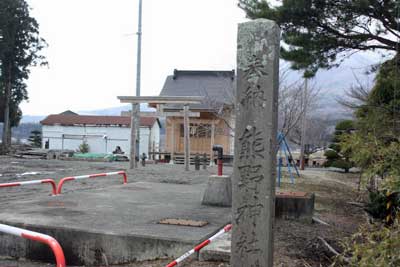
(285, 149)
(45, 239)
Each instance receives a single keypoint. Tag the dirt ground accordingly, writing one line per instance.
(297, 244)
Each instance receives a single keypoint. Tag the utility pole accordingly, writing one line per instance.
(186, 136)
(135, 121)
(303, 126)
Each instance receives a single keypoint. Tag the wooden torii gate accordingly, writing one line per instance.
(160, 100)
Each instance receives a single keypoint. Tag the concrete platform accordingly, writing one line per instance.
(113, 225)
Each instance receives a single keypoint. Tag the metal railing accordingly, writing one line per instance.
(42, 238)
(43, 181)
(72, 178)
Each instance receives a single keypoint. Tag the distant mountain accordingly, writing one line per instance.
(115, 111)
(338, 79)
(30, 123)
(332, 84)
(31, 119)
(23, 131)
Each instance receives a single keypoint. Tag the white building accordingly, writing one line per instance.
(103, 134)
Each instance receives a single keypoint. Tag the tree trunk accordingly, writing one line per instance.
(6, 140)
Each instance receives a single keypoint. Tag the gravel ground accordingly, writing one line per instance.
(13, 169)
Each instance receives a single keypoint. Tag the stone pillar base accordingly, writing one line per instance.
(294, 205)
(218, 191)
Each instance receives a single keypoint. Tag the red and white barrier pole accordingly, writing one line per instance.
(44, 181)
(45, 239)
(220, 158)
(71, 178)
(220, 164)
(200, 246)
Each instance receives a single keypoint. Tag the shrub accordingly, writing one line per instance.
(35, 138)
(342, 164)
(376, 205)
(383, 205)
(345, 125)
(334, 160)
(335, 146)
(336, 156)
(331, 155)
(373, 245)
(84, 147)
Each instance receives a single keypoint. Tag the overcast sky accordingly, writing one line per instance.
(92, 48)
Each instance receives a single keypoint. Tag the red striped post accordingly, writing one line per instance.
(199, 246)
(34, 236)
(43, 181)
(71, 178)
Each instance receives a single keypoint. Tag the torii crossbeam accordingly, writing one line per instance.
(160, 100)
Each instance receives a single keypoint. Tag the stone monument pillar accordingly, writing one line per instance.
(253, 183)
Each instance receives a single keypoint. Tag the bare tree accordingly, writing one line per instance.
(319, 132)
(223, 109)
(356, 96)
(292, 106)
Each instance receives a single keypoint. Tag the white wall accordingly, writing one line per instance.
(155, 138)
(100, 139)
(148, 136)
(144, 141)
